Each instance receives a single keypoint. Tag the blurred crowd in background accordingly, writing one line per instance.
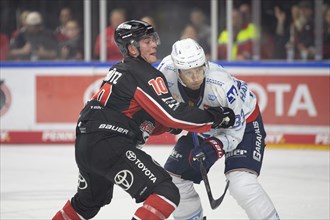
(53, 30)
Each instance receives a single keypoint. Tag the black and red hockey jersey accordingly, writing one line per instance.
(139, 92)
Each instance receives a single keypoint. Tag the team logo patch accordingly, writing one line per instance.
(147, 126)
(211, 97)
(169, 67)
(124, 179)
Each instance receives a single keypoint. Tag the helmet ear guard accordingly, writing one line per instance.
(131, 32)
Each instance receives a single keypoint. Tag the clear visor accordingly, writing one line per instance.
(153, 36)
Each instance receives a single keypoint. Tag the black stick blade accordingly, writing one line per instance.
(215, 203)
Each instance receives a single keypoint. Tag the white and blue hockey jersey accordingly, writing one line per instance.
(221, 89)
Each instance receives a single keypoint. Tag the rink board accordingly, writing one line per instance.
(40, 102)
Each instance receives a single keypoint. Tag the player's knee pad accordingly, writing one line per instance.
(190, 206)
(168, 190)
(155, 207)
(243, 185)
(67, 213)
(161, 203)
(249, 194)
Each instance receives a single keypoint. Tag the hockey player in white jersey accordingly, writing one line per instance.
(194, 80)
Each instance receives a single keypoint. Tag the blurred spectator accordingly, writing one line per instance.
(189, 31)
(244, 33)
(295, 27)
(36, 43)
(267, 45)
(198, 20)
(149, 20)
(245, 11)
(21, 24)
(117, 16)
(223, 37)
(64, 16)
(326, 34)
(4, 42)
(305, 37)
(281, 33)
(72, 48)
(247, 35)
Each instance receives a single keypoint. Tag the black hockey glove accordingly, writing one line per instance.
(209, 151)
(223, 117)
(175, 131)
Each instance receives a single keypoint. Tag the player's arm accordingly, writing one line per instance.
(222, 139)
(229, 96)
(159, 103)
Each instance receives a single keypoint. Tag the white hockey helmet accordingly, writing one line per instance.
(187, 54)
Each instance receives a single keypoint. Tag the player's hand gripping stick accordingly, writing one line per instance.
(214, 203)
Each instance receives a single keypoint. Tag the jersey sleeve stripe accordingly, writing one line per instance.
(158, 112)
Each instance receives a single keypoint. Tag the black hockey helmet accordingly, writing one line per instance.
(130, 32)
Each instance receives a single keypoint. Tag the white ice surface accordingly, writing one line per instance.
(36, 181)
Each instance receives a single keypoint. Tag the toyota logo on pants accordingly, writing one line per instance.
(130, 155)
(82, 183)
(124, 179)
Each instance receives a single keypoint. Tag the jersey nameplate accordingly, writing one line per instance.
(113, 76)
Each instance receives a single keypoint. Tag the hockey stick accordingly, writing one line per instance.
(213, 202)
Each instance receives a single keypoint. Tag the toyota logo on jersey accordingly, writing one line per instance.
(124, 179)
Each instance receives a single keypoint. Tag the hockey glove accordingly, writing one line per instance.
(223, 117)
(209, 151)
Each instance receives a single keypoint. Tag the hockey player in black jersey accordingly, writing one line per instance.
(133, 103)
